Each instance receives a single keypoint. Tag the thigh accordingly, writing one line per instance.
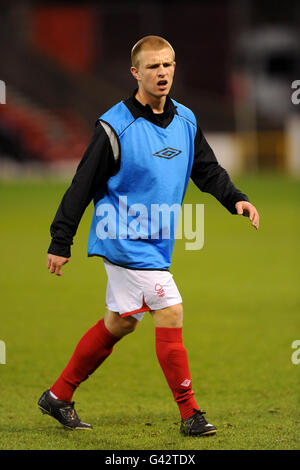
(119, 326)
(169, 317)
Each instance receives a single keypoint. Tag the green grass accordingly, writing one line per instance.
(241, 315)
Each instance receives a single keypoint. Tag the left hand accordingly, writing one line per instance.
(248, 210)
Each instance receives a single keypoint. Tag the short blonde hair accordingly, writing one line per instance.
(155, 43)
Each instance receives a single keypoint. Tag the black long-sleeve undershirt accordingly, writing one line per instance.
(210, 177)
(98, 165)
(92, 174)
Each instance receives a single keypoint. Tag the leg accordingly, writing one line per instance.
(172, 357)
(119, 326)
(169, 317)
(93, 348)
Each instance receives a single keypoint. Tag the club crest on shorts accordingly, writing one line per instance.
(159, 290)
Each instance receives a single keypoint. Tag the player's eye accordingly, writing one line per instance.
(155, 66)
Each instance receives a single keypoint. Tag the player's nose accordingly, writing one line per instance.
(161, 71)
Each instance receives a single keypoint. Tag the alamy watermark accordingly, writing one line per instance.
(159, 221)
(296, 94)
(2, 352)
(296, 354)
(2, 92)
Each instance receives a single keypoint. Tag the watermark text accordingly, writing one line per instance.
(154, 222)
(296, 94)
(2, 352)
(296, 354)
(2, 92)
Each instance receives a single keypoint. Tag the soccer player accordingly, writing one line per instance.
(143, 153)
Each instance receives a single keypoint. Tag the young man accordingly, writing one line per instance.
(143, 152)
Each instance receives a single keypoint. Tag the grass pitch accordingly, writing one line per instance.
(241, 315)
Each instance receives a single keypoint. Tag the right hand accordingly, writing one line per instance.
(55, 263)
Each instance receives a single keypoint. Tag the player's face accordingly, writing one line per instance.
(155, 72)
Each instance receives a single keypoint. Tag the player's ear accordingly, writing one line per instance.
(135, 73)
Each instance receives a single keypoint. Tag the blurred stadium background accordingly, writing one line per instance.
(64, 63)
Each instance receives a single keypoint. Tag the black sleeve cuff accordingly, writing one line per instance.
(59, 249)
(236, 198)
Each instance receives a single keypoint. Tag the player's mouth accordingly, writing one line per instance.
(162, 84)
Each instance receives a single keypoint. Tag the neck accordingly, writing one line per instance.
(157, 104)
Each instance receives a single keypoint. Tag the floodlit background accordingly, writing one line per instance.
(64, 63)
(238, 67)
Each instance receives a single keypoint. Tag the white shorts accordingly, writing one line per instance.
(134, 292)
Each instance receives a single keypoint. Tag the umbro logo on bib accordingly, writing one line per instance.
(167, 153)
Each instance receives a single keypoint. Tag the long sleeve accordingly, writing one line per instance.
(209, 176)
(90, 179)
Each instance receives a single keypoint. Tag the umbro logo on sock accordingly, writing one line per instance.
(186, 383)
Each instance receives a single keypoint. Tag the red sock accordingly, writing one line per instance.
(93, 348)
(173, 360)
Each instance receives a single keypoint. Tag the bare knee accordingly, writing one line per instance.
(119, 326)
(169, 317)
(128, 324)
